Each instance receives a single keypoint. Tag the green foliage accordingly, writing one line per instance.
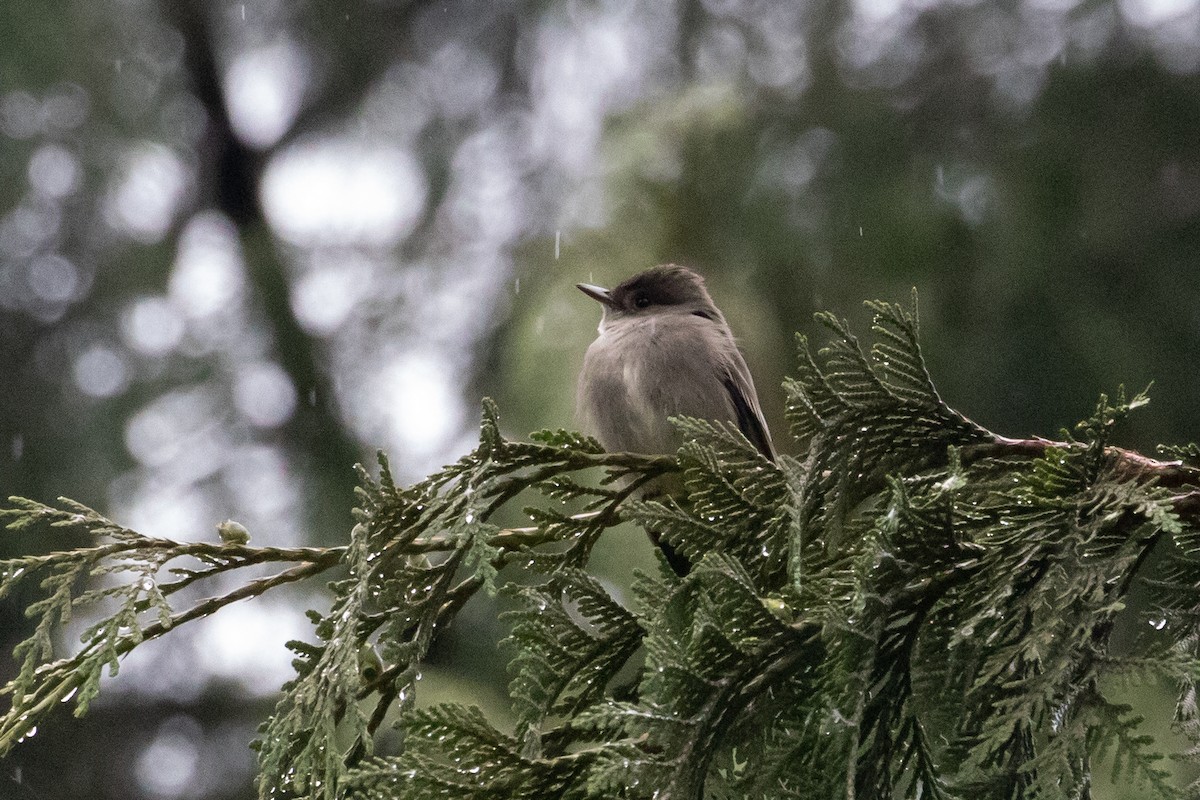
(135, 578)
(416, 556)
(916, 607)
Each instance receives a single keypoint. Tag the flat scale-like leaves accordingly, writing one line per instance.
(571, 639)
(859, 417)
(910, 606)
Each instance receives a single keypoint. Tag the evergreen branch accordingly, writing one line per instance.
(59, 681)
(43, 681)
(691, 699)
(506, 539)
(954, 591)
(1127, 464)
(571, 639)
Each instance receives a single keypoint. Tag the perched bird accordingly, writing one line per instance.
(664, 350)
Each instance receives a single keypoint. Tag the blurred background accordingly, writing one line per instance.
(244, 244)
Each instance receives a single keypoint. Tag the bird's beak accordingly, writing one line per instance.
(597, 293)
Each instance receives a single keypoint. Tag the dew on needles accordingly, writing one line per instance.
(912, 605)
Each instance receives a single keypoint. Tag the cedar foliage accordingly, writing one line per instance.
(916, 607)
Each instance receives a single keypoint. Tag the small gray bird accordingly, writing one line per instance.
(664, 350)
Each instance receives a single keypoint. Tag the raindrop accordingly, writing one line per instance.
(1056, 719)
(1158, 624)
(557, 244)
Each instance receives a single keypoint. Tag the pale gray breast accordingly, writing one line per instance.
(643, 370)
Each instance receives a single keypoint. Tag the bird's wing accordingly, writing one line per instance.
(745, 404)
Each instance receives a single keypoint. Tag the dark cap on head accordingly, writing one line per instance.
(664, 286)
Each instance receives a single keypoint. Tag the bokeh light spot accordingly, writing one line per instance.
(147, 194)
(20, 115)
(208, 273)
(53, 279)
(323, 298)
(417, 396)
(54, 171)
(152, 326)
(168, 765)
(263, 90)
(171, 426)
(100, 371)
(264, 393)
(1149, 13)
(246, 643)
(339, 193)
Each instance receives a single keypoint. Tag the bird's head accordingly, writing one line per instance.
(663, 289)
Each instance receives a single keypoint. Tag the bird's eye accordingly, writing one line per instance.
(641, 301)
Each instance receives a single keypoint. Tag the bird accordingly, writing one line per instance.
(664, 349)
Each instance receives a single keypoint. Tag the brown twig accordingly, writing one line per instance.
(1127, 463)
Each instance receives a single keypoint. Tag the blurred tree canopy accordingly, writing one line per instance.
(244, 244)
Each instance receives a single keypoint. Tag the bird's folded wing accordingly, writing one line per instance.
(745, 405)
